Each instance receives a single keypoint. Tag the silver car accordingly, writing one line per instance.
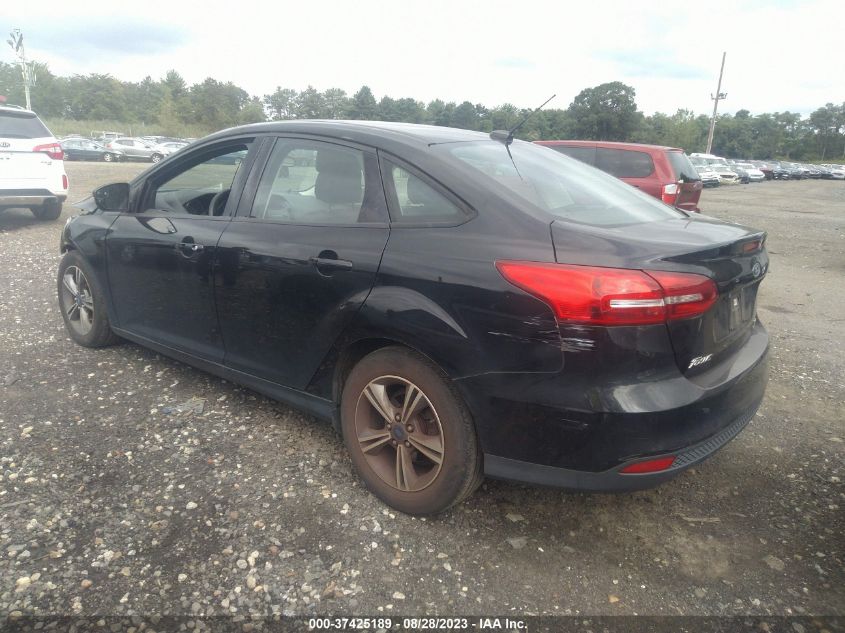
(138, 149)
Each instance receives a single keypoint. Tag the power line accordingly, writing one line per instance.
(719, 95)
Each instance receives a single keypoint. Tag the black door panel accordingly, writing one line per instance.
(160, 259)
(161, 280)
(285, 292)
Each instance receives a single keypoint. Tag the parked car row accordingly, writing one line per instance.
(111, 148)
(732, 171)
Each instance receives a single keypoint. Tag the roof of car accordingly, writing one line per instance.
(362, 130)
(611, 144)
(8, 107)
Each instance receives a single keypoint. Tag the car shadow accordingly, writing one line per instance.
(13, 219)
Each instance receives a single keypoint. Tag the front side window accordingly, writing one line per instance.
(312, 182)
(558, 185)
(202, 187)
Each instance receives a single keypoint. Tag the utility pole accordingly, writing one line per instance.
(28, 73)
(719, 95)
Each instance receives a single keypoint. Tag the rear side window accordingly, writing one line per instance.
(584, 154)
(682, 166)
(312, 182)
(624, 163)
(418, 201)
(22, 125)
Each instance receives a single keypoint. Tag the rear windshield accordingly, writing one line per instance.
(683, 168)
(558, 185)
(21, 125)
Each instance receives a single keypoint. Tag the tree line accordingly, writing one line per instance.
(170, 106)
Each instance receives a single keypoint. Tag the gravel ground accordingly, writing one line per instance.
(115, 501)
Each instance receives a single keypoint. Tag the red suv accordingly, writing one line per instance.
(663, 172)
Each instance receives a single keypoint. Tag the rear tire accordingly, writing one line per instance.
(426, 458)
(107, 157)
(156, 157)
(48, 211)
(86, 320)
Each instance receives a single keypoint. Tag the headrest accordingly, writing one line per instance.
(339, 177)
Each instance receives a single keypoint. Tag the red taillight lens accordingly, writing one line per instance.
(669, 195)
(649, 466)
(686, 295)
(612, 296)
(53, 150)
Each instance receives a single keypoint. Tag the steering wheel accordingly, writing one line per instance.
(218, 202)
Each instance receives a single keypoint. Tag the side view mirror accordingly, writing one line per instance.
(113, 197)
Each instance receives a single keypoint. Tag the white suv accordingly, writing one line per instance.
(32, 170)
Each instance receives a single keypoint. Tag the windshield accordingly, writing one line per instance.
(559, 185)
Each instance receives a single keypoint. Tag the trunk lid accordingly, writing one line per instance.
(20, 165)
(733, 256)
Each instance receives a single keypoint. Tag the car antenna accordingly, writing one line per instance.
(506, 136)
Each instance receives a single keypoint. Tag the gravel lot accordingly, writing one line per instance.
(113, 503)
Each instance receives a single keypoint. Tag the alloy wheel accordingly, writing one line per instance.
(399, 433)
(77, 300)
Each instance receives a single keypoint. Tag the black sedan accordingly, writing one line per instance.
(456, 304)
(84, 149)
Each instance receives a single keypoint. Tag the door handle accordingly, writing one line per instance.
(188, 247)
(330, 263)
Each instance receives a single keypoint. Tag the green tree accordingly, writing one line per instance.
(282, 104)
(825, 123)
(252, 112)
(216, 105)
(310, 104)
(363, 106)
(607, 112)
(465, 116)
(336, 103)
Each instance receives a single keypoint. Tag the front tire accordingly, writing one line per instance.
(82, 303)
(48, 211)
(409, 434)
(156, 157)
(107, 157)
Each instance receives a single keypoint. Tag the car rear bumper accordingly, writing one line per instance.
(613, 479)
(29, 198)
(531, 432)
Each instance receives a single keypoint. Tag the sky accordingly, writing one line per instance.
(781, 55)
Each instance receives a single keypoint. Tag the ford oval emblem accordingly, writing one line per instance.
(756, 269)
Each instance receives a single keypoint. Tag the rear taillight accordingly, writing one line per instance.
(612, 296)
(53, 150)
(669, 194)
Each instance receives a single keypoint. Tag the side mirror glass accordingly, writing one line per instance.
(113, 197)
